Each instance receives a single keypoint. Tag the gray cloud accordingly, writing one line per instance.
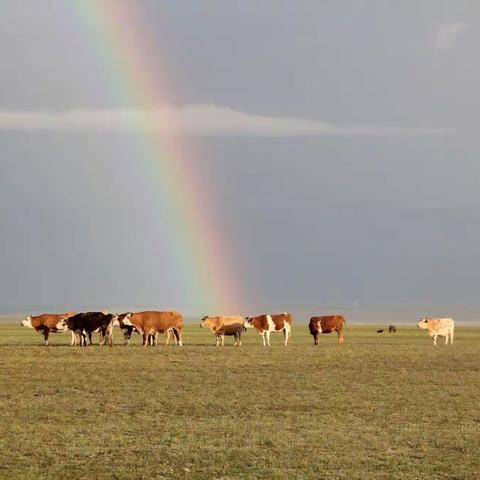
(447, 35)
(202, 120)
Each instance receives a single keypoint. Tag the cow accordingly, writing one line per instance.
(128, 329)
(392, 329)
(225, 326)
(438, 327)
(46, 323)
(150, 322)
(267, 324)
(83, 324)
(327, 324)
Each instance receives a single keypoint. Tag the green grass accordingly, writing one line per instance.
(382, 406)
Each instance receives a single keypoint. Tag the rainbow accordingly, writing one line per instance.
(118, 34)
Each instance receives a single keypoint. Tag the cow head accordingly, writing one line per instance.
(122, 320)
(248, 322)
(423, 323)
(27, 322)
(63, 322)
(205, 322)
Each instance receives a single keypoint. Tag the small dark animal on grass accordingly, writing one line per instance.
(392, 329)
(380, 331)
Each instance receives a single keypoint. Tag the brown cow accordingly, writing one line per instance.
(266, 324)
(327, 324)
(46, 323)
(149, 323)
(127, 331)
(225, 326)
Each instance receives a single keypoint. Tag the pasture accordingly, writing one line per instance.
(382, 406)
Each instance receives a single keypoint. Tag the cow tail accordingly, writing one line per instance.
(345, 323)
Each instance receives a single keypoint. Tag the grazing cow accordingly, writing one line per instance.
(267, 324)
(225, 326)
(46, 323)
(392, 329)
(438, 327)
(149, 323)
(128, 329)
(327, 324)
(83, 324)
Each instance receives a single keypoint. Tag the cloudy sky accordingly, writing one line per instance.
(338, 141)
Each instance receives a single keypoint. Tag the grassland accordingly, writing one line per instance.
(387, 406)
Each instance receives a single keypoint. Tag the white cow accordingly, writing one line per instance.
(436, 327)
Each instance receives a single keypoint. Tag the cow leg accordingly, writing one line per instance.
(145, 339)
(217, 342)
(263, 338)
(315, 338)
(167, 335)
(435, 340)
(267, 334)
(286, 333)
(451, 337)
(171, 335)
(45, 336)
(72, 339)
(223, 340)
(81, 337)
(89, 338)
(177, 332)
(340, 337)
(239, 339)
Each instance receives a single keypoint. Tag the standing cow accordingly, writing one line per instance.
(151, 322)
(46, 323)
(267, 324)
(438, 327)
(225, 326)
(127, 330)
(84, 324)
(327, 324)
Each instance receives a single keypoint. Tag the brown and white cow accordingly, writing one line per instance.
(267, 324)
(438, 327)
(225, 326)
(46, 323)
(85, 323)
(151, 322)
(128, 329)
(327, 324)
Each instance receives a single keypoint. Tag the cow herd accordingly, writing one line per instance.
(170, 323)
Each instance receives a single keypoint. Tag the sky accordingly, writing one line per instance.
(337, 142)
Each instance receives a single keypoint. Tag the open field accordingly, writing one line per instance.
(387, 406)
